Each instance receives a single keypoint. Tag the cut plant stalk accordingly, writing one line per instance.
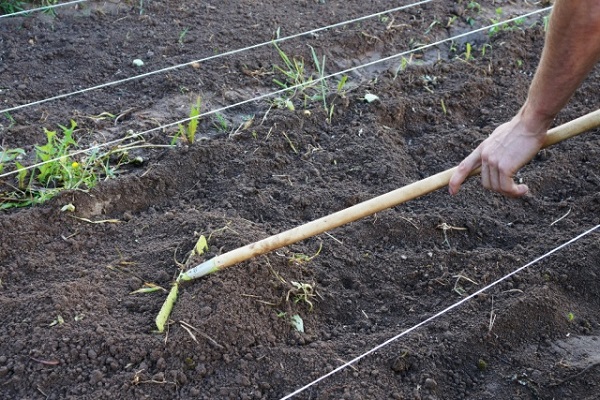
(361, 210)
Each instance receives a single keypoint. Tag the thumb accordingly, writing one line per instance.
(463, 170)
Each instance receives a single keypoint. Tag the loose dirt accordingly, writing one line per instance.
(70, 327)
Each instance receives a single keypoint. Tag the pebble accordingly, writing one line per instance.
(430, 384)
(96, 376)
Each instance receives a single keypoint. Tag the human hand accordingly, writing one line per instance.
(501, 155)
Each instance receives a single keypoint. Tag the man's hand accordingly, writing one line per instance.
(501, 155)
(571, 50)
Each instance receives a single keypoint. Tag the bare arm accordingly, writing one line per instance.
(571, 50)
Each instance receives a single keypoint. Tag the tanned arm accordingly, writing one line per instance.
(571, 50)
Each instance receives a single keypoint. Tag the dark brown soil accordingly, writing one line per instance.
(534, 336)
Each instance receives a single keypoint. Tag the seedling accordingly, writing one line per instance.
(404, 63)
(221, 123)
(475, 6)
(451, 21)
(188, 132)
(432, 25)
(10, 6)
(300, 82)
(11, 119)
(59, 320)
(482, 364)
(302, 292)
(8, 155)
(505, 26)
(182, 36)
(468, 52)
(484, 47)
(302, 258)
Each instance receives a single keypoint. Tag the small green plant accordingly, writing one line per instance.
(10, 6)
(482, 365)
(58, 170)
(300, 82)
(432, 25)
(8, 155)
(299, 258)
(324, 89)
(570, 317)
(49, 3)
(484, 49)
(188, 132)
(474, 6)
(221, 123)
(468, 55)
(302, 292)
(64, 170)
(451, 21)
(505, 26)
(182, 36)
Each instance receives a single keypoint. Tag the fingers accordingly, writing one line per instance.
(469, 164)
(493, 177)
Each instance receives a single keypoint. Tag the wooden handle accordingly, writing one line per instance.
(368, 207)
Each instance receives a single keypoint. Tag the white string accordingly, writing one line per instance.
(266, 95)
(228, 53)
(439, 313)
(42, 8)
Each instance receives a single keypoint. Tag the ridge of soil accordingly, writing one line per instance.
(533, 336)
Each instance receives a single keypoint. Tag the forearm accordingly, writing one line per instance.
(572, 49)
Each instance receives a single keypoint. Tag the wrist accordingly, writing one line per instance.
(535, 120)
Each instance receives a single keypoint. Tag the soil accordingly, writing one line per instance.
(70, 327)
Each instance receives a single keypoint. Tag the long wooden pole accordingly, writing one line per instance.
(366, 208)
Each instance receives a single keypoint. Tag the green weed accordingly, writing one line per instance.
(306, 86)
(468, 55)
(516, 24)
(302, 292)
(404, 63)
(8, 155)
(182, 36)
(13, 6)
(474, 6)
(10, 6)
(302, 258)
(188, 132)
(58, 169)
(221, 123)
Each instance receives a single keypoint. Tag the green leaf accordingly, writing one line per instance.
(297, 322)
(21, 175)
(201, 246)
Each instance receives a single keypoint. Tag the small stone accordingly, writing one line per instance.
(138, 63)
(430, 384)
(96, 376)
(159, 377)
